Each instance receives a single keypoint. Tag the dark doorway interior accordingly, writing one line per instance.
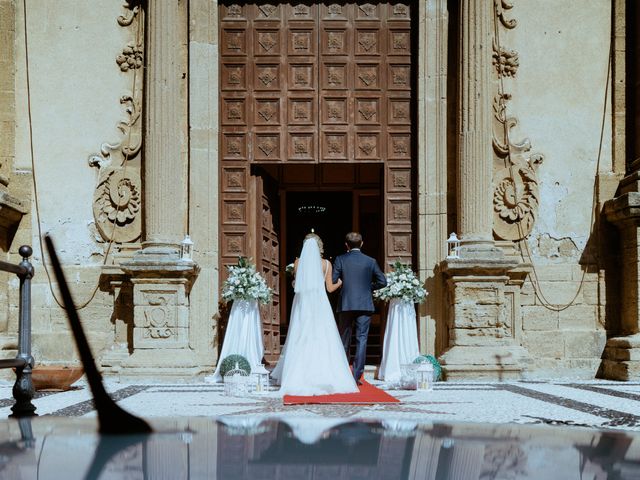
(332, 214)
(328, 213)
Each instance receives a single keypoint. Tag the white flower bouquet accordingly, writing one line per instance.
(244, 283)
(402, 284)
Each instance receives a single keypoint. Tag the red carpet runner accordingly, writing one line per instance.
(367, 395)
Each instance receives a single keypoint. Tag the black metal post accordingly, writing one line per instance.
(23, 390)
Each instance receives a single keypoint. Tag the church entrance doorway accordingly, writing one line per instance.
(315, 97)
(332, 200)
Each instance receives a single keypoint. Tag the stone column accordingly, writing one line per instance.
(481, 329)
(475, 154)
(161, 279)
(165, 188)
(11, 208)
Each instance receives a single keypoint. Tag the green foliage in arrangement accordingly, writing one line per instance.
(229, 363)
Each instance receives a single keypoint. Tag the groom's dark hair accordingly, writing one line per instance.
(353, 240)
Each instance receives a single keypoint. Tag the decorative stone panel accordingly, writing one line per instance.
(161, 315)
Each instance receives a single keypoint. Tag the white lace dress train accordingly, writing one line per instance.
(313, 361)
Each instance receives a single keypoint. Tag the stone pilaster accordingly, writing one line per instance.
(481, 334)
(165, 182)
(475, 154)
(11, 209)
(621, 359)
(161, 279)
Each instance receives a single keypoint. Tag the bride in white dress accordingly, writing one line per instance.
(313, 361)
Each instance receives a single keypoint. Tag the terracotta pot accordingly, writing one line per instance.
(55, 377)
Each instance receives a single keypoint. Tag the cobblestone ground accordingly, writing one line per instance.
(599, 404)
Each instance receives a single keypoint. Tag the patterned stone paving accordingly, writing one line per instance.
(594, 404)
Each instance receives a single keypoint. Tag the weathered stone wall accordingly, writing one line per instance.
(7, 128)
(558, 96)
(76, 87)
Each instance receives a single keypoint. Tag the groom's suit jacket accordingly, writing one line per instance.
(360, 275)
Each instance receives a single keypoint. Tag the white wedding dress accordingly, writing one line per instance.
(313, 361)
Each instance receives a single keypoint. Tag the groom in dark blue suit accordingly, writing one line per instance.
(360, 276)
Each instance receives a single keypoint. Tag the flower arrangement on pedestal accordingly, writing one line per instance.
(402, 284)
(243, 335)
(401, 334)
(244, 283)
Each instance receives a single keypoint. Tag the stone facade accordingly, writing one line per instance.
(509, 154)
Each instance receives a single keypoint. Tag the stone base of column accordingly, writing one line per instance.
(482, 331)
(145, 364)
(485, 362)
(161, 328)
(621, 358)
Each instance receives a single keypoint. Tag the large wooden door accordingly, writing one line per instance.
(265, 250)
(315, 83)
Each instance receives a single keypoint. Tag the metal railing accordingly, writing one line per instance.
(23, 390)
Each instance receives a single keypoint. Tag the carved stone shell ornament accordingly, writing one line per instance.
(117, 203)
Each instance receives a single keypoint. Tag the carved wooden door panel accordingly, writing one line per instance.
(365, 102)
(314, 83)
(265, 250)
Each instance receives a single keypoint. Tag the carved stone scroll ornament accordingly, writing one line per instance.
(117, 200)
(516, 194)
(117, 204)
(500, 6)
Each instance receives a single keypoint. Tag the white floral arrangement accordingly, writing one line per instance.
(244, 283)
(403, 284)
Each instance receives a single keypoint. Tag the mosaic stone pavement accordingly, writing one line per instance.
(599, 404)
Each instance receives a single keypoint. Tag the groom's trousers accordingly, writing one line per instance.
(362, 321)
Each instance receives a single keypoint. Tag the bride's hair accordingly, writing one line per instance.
(317, 239)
